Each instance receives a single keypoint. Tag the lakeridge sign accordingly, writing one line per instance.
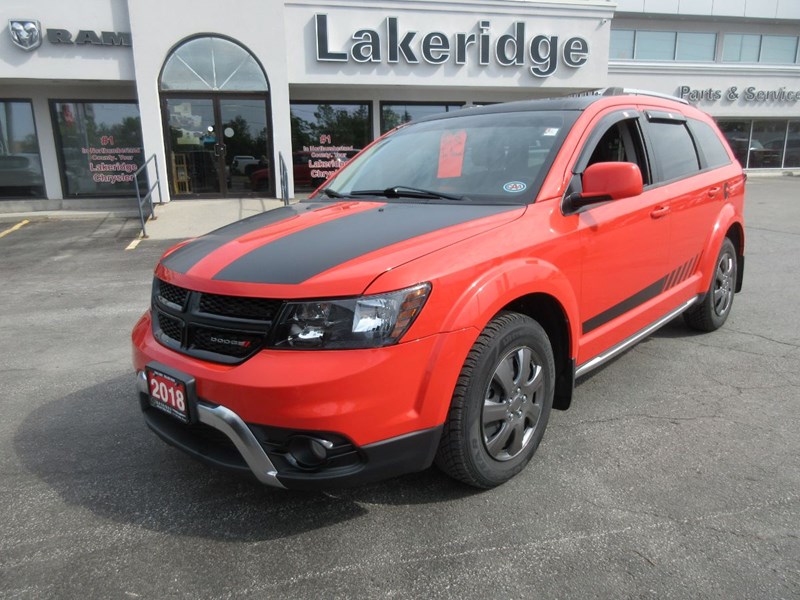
(390, 44)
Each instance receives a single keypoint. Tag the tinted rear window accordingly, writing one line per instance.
(675, 154)
(712, 152)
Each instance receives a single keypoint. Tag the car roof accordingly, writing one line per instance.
(569, 103)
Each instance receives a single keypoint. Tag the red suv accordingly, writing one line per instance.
(437, 297)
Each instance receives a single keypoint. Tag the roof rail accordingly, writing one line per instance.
(619, 91)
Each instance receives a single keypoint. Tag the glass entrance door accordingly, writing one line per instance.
(245, 137)
(218, 146)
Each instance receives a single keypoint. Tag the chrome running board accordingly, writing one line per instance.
(606, 356)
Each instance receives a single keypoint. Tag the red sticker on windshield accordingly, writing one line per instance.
(451, 154)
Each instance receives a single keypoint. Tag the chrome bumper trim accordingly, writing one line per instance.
(606, 356)
(231, 424)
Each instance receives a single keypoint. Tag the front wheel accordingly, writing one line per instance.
(501, 403)
(713, 311)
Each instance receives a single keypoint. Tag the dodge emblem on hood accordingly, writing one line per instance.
(25, 33)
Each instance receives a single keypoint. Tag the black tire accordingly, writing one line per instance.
(713, 311)
(501, 403)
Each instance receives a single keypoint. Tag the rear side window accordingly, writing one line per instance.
(675, 154)
(712, 152)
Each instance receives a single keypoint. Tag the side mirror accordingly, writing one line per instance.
(612, 179)
(607, 181)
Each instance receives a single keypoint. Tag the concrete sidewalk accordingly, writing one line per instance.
(182, 219)
(179, 219)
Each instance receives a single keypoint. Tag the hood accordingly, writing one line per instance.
(323, 248)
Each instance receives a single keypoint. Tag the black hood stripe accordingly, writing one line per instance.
(302, 255)
(185, 257)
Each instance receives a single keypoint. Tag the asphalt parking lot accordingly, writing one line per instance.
(676, 473)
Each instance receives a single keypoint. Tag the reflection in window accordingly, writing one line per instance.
(792, 156)
(737, 132)
(394, 114)
(325, 136)
(765, 144)
(20, 165)
(100, 146)
(212, 64)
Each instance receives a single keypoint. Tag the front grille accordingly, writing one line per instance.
(170, 327)
(257, 309)
(172, 294)
(226, 329)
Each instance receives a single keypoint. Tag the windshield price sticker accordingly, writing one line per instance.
(451, 154)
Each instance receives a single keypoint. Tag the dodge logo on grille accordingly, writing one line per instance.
(229, 342)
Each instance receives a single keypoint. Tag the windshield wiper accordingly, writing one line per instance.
(404, 191)
(332, 194)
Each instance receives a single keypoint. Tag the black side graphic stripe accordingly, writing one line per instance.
(648, 293)
(673, 278)
(669, 280)
(186, 257)
(302, 255)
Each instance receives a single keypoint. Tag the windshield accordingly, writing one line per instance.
(494, 158)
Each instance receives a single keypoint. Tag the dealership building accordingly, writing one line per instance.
(248, 97)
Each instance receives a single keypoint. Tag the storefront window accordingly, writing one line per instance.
(20, 164)
(774, 49)
(324, 136)
(100, 147)
(394, 114)
(696, 46)
(778, 49)
(792, 158)
(737, 47)
(766, 144)
(737, 133)
(655, 45)
(621, 44)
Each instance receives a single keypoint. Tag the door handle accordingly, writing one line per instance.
(712, 192)
(660, 211)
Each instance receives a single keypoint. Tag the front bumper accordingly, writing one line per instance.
(371, 414)
(221, 438)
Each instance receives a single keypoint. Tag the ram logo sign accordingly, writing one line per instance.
(25, 33)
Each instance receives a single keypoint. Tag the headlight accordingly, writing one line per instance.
(363, 322)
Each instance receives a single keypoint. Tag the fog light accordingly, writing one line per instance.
(309, 452)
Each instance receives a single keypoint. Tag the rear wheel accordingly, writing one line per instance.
(713, 311)
(501, 403)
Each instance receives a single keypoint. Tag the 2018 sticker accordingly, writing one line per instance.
(515, 186)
